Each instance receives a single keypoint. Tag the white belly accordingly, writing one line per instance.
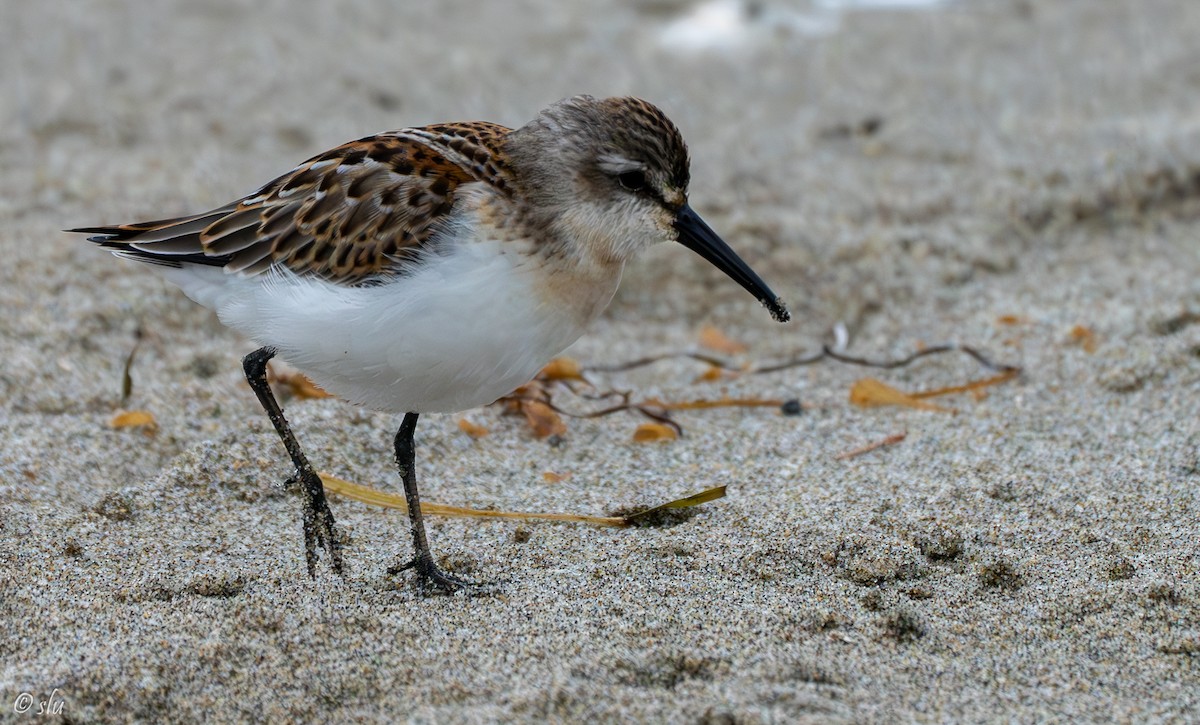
(461, 330)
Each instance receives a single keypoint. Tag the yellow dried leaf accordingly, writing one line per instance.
(870, 392)
(562, 368)
(542, 419)
(143, 419)
(714, 339)
(397, 501)
(552, 477)
(652, 432)
(475, 431)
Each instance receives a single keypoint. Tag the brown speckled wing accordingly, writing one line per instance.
(348, 215)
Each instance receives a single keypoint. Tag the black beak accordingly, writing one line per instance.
(698, 237)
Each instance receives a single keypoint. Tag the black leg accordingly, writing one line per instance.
(318, 519)
(422, 561)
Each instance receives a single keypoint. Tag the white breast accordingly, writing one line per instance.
(464, 328)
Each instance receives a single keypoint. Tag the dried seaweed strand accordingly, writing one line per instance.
(891, 364)
(642, 362)
(825, 352)
(659, 411)
(643, 408)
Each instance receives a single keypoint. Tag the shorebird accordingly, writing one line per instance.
(434, 269)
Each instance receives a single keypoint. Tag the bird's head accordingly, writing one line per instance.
(612, 176)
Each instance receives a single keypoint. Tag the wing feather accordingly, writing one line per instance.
(349, 214)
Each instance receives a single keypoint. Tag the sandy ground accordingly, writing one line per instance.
(996, 173)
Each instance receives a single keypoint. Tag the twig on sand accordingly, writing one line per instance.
(889, 441)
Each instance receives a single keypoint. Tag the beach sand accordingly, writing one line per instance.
(1020, 177)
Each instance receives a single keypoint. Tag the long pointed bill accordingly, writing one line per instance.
(698, 237)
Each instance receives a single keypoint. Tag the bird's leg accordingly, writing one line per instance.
(422, 560)
(318, 519)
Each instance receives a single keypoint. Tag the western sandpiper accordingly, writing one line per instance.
(435, 269)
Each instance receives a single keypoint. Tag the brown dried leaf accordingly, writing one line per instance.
(1010, 320)
(975, 387)
(1084, 337)
(870, 392)
(514, 401)
(654, 432)
(475, 431)
(562, 368)
(542, 419)
(552, 477)
(712, 375)
(714, 339)
(143, 419)
(300, 385)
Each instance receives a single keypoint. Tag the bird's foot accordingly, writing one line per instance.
(431, 578)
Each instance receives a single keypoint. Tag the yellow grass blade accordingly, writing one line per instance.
(375, 497)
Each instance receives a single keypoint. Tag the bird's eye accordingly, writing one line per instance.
(632, 180)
